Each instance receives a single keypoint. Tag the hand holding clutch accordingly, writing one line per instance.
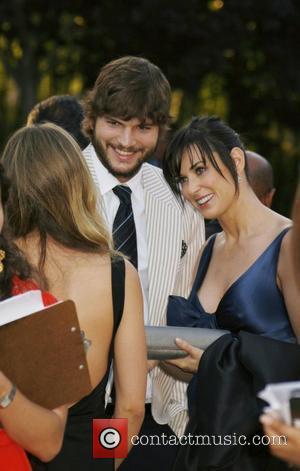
(190, 362)
(161, 342)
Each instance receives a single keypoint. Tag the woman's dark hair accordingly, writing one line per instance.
(207, 135)
(14, 263)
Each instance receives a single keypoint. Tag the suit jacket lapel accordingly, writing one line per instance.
(164, 234)
(90, 157)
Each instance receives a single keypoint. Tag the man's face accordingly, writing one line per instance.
(122, 146)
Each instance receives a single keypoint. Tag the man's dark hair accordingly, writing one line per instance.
(260, 173)
(126, 88)
(64, 111)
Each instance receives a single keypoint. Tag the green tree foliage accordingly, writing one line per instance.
(237, 59)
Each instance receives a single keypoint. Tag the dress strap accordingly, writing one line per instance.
(276, 245)
(118, 289)
(203, 264)
(281, 234)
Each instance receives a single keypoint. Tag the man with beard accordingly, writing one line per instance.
(126, 116)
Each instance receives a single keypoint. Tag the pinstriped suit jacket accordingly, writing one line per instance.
(168, 225)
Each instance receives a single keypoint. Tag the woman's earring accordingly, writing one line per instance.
(2, 257)
(240, 179)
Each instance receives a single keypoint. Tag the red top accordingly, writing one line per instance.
(12, 455)
(22, 286)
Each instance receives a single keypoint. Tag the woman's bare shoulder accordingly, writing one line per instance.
(77, 274)
(277, 221)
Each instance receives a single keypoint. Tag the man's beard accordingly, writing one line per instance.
(101, 154)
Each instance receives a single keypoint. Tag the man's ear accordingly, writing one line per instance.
(90, 124)
(238, 157)
(269, 198)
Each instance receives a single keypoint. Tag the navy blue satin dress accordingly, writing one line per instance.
(253, 303)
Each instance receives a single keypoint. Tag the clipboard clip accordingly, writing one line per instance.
(86, 342)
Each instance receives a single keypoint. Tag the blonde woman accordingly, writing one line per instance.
(44, 437)
(53, 217)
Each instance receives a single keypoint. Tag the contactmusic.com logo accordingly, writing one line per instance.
(110, 438)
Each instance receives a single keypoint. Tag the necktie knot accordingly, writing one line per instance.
(123, 193)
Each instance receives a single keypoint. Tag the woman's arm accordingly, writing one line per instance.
(130, 357)
(40, 431)
(288, 283)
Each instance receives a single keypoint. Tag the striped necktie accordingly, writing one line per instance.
(124, 233)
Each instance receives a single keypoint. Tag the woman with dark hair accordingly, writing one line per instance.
(244, 284)
(244, 277)
(44, 436)
(52, 214)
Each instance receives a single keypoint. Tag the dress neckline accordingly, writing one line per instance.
(210, 247)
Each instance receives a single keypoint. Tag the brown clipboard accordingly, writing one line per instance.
(43, 355)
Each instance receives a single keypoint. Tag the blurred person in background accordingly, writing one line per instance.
(261, 178)
(65, 111)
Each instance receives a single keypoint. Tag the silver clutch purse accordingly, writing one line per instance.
(161, 340)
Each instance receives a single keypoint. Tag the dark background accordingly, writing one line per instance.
(238, 59)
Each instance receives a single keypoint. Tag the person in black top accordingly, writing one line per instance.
(52, 214)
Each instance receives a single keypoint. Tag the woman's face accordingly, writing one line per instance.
(208, 191)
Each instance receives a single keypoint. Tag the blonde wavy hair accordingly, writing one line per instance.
(52, 191)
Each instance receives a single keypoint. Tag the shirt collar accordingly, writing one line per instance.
(107, 181)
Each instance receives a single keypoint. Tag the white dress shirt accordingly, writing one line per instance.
(111, 204)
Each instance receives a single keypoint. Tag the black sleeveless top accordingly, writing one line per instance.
(77, 449)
